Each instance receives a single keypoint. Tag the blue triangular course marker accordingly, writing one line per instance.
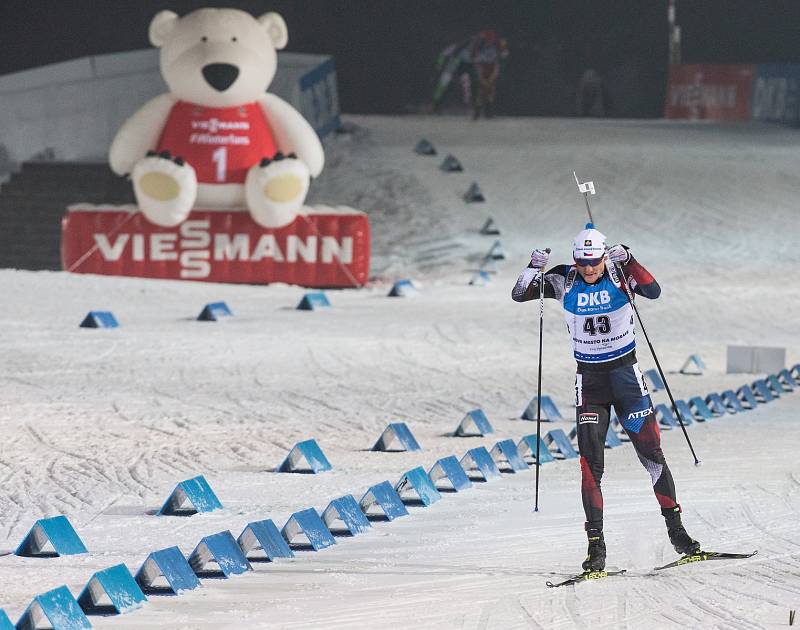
(5, 622)
(573, 438)
(693, 365)
(397, 431)
(223, 549)
(58, 532)
(613, 421)
(612, 439)
(561, 442)
(716, 405)
(424, 147)
(489, 265)
(170, 564)
(478, 458)
(762, 391)
(787, 380)
(700, 409)
(665, 416)
(474, 194)
(60, 609)
(656, 382)
(345, 510)
(746, 395)
(99, 319)
(118, 585)
(490, 228)
(473, 424)
(264, 535)
(309, 523)
(686, 412)
(480, 279)
(309, 451)
(528, 445)
(195, 491)
(549, 410)
(214, 311)
(313, 302)
(497, 252)
(505, 452)
(732, 402)
(775, 386)
(418, 481)
(450, 164)
(383, 496)
(449, 468)
(403, 288)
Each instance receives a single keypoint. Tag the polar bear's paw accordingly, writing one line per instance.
(276, 189)
(165, 189)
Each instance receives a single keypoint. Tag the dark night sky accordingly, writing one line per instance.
(385, 49)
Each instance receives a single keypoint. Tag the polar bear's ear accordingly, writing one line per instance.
(276, 28)
(161, 27)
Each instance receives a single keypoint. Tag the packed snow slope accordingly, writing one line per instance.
(101, 425)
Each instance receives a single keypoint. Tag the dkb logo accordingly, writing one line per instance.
(593, 299)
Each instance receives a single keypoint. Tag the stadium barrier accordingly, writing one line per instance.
(734, 92)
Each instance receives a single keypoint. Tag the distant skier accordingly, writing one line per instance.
(476, 62)
(600, 321)
(455, 61)
(489, 50)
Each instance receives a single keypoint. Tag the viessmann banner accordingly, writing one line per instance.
(327, 247)
(710, 92)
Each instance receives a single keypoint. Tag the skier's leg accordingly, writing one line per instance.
(592, 416)
(635, 410)
(592, 426)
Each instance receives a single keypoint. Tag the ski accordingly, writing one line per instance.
(583, 577)
(701, 556)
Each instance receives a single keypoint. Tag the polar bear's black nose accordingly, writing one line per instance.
(220, 76)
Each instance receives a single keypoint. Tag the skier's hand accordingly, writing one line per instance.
(539, 258)
(619, 254)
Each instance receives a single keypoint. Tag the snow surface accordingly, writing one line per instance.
(100, 425)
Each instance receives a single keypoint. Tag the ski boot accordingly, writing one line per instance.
(596, 554)
(683, 543)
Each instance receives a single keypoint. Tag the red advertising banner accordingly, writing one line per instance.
(328, 247)
(709, 92)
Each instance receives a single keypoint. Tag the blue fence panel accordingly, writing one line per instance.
(776, 93)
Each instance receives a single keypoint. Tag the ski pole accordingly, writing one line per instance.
(586, 188)
(539, 385)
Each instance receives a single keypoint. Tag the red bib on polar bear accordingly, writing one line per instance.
(221, 143)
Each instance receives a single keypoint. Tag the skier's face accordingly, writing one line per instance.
(592, 273)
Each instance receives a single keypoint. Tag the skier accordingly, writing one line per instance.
(600, 320)
(489, 51)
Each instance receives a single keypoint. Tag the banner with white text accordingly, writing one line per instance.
(326, 247)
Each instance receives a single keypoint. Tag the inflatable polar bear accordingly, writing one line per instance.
(218, 139)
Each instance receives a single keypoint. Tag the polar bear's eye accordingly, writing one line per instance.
(233, 39)
(204, 38)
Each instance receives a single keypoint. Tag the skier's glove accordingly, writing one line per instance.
(539, 258)
(619, 254)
